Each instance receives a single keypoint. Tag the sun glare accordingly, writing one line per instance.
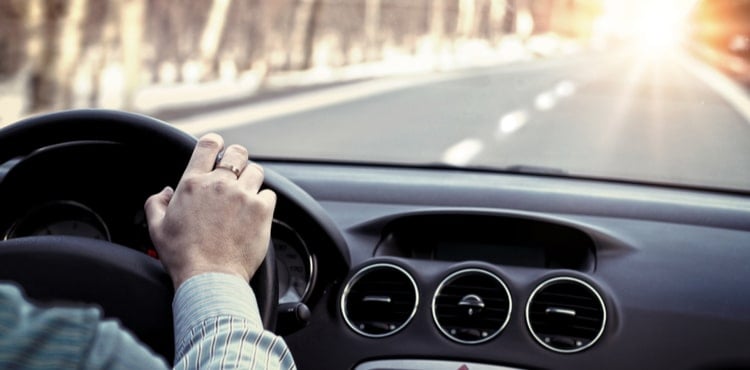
(653, 25)
(658, 31)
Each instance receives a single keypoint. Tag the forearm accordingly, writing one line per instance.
(65, 338)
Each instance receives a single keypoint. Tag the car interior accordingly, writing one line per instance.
(462, 184)
(396, 267)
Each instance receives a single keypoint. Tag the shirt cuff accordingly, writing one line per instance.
(211, 295)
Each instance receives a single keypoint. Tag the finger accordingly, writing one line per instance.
(269, 199)
(233, 161)
(204, 155)
(252, 177)
(156, 206)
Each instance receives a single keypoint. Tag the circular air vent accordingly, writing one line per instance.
(379, 300)
(471, 306)
(566, 315)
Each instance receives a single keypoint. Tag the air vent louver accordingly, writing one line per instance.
(379, 300)
(566, 315)
(471, 306)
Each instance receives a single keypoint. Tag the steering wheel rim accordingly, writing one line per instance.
(154, 325)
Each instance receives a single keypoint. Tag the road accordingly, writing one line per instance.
(619, 115)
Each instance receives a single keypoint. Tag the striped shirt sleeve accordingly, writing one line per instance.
(34, 338)
(217, 326)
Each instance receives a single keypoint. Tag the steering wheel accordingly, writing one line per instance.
(126, 284)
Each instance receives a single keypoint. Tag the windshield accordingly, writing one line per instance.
(639, 90)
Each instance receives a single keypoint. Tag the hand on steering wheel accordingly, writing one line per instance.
(217, 220)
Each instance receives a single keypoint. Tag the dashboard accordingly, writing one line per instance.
(424, 268)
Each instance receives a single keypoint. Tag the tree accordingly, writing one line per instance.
(372, 27)
(497, 16)
(302, 35)
(212, 33)
(12, 37)
(310, 29)
(42, 24)
(70, 46)
(131, 36)
(466, 25)
(437, 22)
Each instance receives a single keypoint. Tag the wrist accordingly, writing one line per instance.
(180, 277)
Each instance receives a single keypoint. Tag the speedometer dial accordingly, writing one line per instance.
(60, 218)
(294, 264)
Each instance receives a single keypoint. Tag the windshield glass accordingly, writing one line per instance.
(638, 90)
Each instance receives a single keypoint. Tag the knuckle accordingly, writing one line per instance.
(151, 198)
(221, 185)
(240, 197)
(255, 171)
(241, 150)
(210, 141)
(257, 167)
(190, 183)
(264, 206)
(271, 197)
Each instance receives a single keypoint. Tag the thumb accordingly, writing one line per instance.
(156, 206)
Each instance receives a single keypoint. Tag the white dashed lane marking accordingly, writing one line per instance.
(461, 153)
(511, 122)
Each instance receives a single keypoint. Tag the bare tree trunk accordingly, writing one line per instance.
(290, 35)
(44, 19)
(466, 25)
(212, 33)
(11, 37)
(509, 23)
(437, 20)
(105, 55)
(303, 19)
(71, 37)
(131, 36)
(372, 26)
(310, 29)
(497, 19)
(35, 34)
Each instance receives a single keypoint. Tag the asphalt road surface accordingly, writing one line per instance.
(617, 115)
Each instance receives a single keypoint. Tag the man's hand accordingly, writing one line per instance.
(216, 220)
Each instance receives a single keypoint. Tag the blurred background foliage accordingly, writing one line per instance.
(57, 54)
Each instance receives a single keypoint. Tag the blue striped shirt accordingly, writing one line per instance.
(216, 319)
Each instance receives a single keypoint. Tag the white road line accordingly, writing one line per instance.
(723, 85)
(511, 122)
(461, 153)
(565, 88)
(545, 101)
